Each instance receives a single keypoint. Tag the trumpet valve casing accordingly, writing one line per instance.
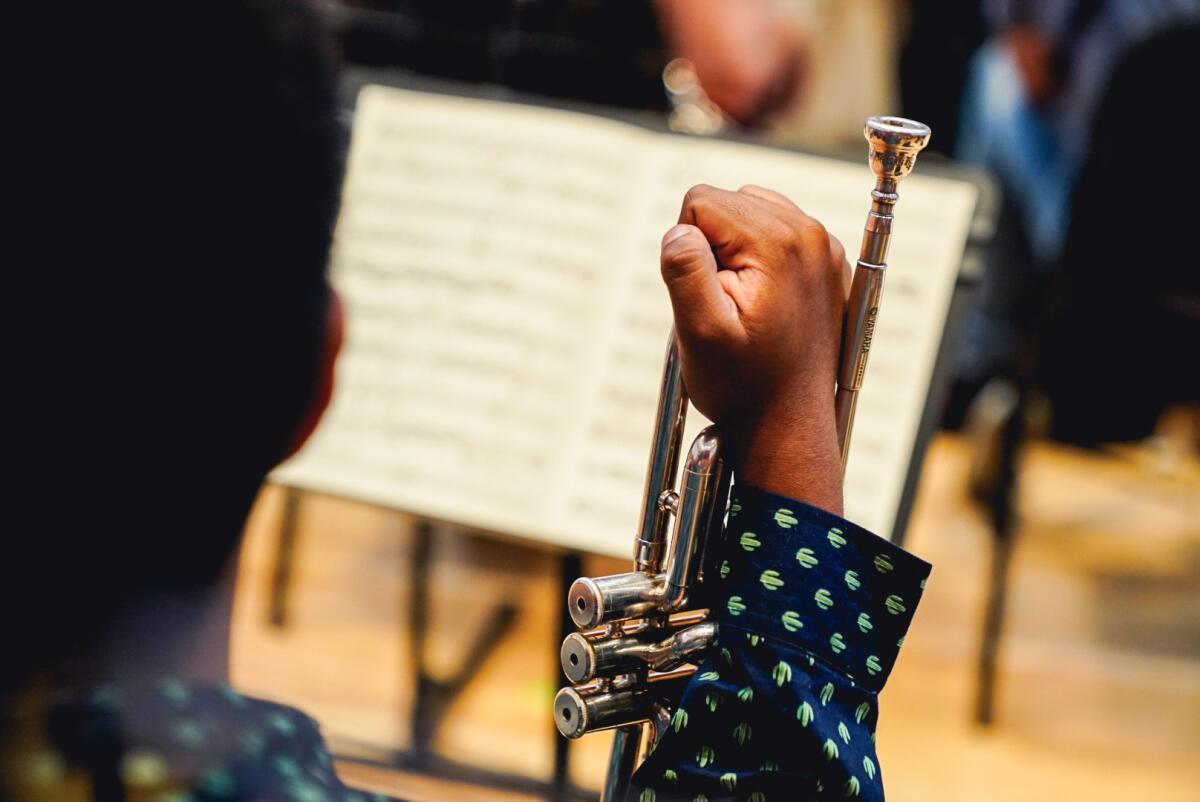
(583, 659)
(598, 600)
(576, 713)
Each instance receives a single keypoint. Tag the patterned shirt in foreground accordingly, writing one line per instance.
(812, 613)
(170, 742)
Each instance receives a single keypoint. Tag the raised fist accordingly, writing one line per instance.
(759, 291)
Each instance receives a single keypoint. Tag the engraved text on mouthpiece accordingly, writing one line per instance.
(895, 143)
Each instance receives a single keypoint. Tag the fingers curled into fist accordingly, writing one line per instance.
(758, 288)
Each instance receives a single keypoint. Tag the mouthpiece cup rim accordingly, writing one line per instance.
(896, 133)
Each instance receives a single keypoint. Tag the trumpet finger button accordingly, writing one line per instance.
(570, 713)
(583, 600)
(578, 658)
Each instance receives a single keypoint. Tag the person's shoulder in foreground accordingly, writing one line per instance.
(169, 741)
(189, 337)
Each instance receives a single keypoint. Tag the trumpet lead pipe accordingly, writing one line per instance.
(894, 144)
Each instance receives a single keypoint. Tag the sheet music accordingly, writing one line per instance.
(506, 321)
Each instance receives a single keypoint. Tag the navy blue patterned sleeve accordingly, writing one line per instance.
(174, 741)
(812, 613)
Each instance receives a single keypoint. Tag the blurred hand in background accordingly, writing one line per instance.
(749, 58)
(1033, 54)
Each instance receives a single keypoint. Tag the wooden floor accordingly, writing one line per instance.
(1099, 694)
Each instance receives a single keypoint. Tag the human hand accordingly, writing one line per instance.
(747, 58)
(759, 292)
(1033, 55)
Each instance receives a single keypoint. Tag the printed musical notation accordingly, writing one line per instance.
(506, 322)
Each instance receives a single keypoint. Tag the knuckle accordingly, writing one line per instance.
(776, 229)
(697, 194)
(810, 242)
(811, 245)
(735, 207)
(814, 235)
(837, 250)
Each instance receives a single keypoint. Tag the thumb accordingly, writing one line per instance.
(689, 270)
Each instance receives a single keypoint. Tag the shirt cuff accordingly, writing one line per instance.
(790, 571)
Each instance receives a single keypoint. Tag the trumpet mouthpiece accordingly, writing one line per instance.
(895, 143)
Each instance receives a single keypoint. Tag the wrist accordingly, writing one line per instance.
(794, 455)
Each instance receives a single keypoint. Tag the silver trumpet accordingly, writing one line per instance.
(639, 641)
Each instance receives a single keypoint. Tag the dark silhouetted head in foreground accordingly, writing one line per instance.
(186, 323)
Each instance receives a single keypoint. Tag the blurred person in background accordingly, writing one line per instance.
(191, 342)
(1033, 92)
(749, 58)
(1031, 100)
(851, 49)
(805, 72)
(940, 38)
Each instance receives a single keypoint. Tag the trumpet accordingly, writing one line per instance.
(638, 641)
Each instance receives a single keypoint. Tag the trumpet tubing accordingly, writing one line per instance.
(638, 643)
(894, 145)
(662, 589)
(621, 702)
(584, 659)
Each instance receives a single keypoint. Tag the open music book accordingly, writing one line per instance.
(506, 321)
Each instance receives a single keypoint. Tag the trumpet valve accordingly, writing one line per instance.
(599, 600)
(583, 659)
(576, 714)
(570, 713)
(578, 658)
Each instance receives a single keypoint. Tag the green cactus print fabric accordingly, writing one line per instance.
(170, 742)
(812, 612)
